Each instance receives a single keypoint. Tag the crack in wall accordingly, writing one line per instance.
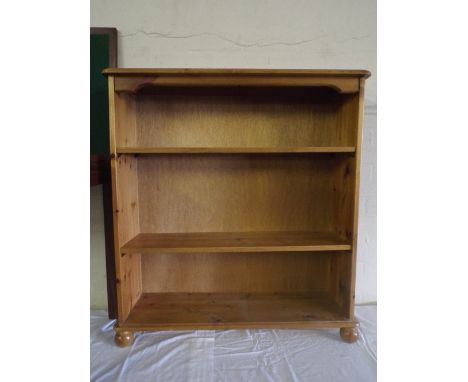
(234, 42)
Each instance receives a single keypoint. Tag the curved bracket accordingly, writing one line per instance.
(134, 84)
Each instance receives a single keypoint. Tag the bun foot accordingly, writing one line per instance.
(349, 335)
(123, 338)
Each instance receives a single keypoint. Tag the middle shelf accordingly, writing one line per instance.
(211, 242)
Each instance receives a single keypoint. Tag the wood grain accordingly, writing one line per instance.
(350, 277)
(236, 197)
(126, 226)
(234, 150)
(133, 80)
(129, 282)
(344, 187)
(220, 118)
(126, 124)
(265, 272)
(233, 311)
(213, 242)
(134, 84)
(127, 206)
(232, 71)
(237, 193)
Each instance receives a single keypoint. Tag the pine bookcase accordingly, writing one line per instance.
(235, 198)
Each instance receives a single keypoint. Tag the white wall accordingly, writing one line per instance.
(331, 34)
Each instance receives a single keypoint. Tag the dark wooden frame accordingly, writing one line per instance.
(101, 174)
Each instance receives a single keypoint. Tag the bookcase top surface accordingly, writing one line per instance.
(239, 72)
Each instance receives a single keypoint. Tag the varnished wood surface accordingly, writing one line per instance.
(349, 334)
(233, 310)
(133, 80)
(124, 338)
(260, 272)
(127, 215)
(238, 192)
(126, 226)
(126, 119)
(235, 242)
(273, 72)
(181, 261)
(135, 84)
(228, 117)
(350, 276)
(234, 150)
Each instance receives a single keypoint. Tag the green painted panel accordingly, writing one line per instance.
(99, 97)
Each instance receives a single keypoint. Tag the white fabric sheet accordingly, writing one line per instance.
(235, 355)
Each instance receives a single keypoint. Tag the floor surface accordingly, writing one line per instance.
(236, 355)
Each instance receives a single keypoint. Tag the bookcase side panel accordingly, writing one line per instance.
(357, 176)
(348, 117)
(346, 190)
(125, 211)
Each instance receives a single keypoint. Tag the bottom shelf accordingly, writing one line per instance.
(165, 311)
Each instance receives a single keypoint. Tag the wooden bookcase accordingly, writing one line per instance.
(235, 196)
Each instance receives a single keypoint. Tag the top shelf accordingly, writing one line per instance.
(234, 150)
(272, 72)
(133, 80)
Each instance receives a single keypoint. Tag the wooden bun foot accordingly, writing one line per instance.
(123, 338)
(349, 335)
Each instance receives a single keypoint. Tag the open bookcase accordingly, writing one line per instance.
(235, 198)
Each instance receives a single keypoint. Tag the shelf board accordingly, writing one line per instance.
(234, 150)
(160, 311)
(196, 242)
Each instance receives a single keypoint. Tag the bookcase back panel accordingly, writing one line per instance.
(125, 124)
(236, 272)
(238, 193)
(340, 280)
(234, 117)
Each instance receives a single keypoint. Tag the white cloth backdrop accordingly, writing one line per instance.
(236, 355)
